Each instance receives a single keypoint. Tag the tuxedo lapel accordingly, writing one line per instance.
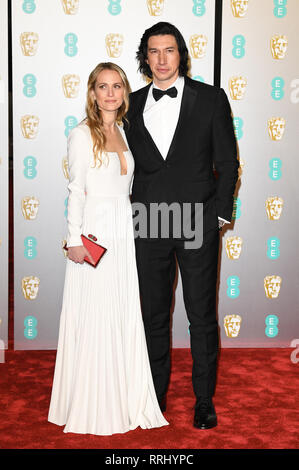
(188, 100)
(139, 121)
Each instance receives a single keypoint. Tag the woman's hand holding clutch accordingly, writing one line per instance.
(78, 253)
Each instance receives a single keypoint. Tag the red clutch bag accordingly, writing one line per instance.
(96, 250)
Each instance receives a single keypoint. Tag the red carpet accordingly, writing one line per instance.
(256, 401)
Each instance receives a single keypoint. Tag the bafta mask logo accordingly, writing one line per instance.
(276, 127)
(232, 325)
(63, 245)
(29, 43)
(274, 206)
(30, 207)
(114, 44)
(239, 8)
(29, 126)
(241, 167)
(70, 7)
(278, 46)
(30, 285)
(272, 286)
(155, 7)
(198, 45)
(233, 246)
(65, 168)
(237, 87)
(70, 85)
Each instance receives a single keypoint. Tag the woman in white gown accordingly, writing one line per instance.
(102, 382)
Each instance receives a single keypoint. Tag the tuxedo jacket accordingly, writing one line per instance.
(204, 141)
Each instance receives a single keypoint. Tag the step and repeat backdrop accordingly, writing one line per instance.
(260, 74)
(3, 180)
(55, 46)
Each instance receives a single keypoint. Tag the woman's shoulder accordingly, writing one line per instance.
(80, 131)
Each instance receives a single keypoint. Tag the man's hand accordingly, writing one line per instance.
(78, 253)
(221, 223)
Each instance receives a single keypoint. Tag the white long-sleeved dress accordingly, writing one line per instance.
(102, 382)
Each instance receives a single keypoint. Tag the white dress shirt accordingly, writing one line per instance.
(161, 117)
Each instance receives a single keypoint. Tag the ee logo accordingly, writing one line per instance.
(199, 78)
(114, 7)
(29, 89)
(70, 122)
(30, 247)
(30, 331)
(238, 126)
(238, 49)
(29, 6)
(271, 329)
(275, 165)
(280, 9)
(277, 92)
(70, 41)
(236, 208)
(233, 290)
(65, 205)
(273, 245)
(199, 8)
(30, 170)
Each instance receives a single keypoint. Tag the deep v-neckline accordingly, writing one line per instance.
(122, 157)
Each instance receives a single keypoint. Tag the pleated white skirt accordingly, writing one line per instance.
(102, 382)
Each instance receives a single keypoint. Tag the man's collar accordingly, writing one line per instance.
(179, 84)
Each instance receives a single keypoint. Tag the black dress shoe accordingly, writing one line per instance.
(162, 403)
(205, 415)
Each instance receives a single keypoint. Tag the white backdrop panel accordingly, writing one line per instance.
(259, 47)
(3, 179)
(52, 39)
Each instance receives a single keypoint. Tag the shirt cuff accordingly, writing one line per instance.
(224, 220)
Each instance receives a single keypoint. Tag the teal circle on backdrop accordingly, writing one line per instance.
(30, 323)
(71, 48)
(238, 126)
(271, 329)
(280, 11)
(29, 90)
(238, 50)
(199, 78)
(236, 208)
(70, 122)
(30, 244)
(114, 7)
(29, 79)
(29, 6)
(199, 8)
(277, 84)
(273, 244)
(275, 165)
(233, 290)
(30, 164)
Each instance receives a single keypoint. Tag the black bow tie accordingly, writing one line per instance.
(157, 93)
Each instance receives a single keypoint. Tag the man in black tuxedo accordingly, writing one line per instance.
(180, 130)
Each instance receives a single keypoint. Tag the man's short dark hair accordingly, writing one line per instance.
(162, 28)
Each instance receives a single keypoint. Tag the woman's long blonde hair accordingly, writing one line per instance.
(94, 118)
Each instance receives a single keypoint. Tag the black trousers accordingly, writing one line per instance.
(156, 264)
